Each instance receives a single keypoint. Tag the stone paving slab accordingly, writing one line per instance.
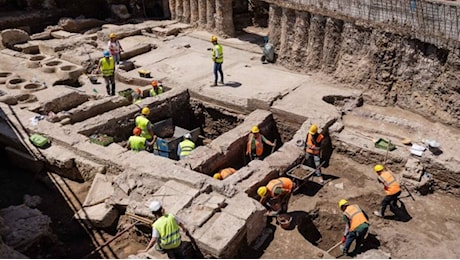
(100, 190)
(174, 196)
(100, 215)
(222, 236)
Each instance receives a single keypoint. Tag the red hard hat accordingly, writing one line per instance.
(154, 83)
(137, 131)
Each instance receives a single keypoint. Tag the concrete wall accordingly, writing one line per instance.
(430, 21)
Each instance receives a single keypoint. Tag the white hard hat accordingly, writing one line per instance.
(154, 206)
(188, 136)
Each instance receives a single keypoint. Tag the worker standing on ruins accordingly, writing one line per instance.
(313, 149)
(138, 143)
(186, 146)
(391, 187)
(166, 235)
(255, 146)
(144, 124)
(275, 196)
(107, 66)
(156, 89)
(218, 58)
(114, 47)
(356, 227)
(224, 173)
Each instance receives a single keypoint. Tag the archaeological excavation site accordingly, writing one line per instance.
(83, 166)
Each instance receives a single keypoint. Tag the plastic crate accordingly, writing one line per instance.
(101, 139)
(383, 144)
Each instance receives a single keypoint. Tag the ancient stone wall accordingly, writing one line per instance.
(393, 67)
(213, 15)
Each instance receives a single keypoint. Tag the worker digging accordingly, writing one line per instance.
(357, 225)
(390, 186)
(275, 195)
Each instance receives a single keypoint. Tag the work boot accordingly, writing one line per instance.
(222, 82)
(378, 214)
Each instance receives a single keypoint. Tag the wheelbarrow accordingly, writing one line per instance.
(301, 174)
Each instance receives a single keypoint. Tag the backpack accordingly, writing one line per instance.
(39, 140)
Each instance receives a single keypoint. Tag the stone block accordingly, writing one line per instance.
(101, 189)
(174, 196)
(413, 169)
(135, 51)
(10, 37)
(252, 212)
(29, 47)
(101, 215)
(160, 31)
(200, 211)
(285, 157)
(45, 35)
(62, 34)
(78, 25)
(222, 237)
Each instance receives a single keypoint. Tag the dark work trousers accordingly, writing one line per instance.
(389, 200)
(110, 85)
(351, 236)
(218, 68)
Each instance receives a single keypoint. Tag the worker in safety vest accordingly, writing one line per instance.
(276, 194)
(313, 149)
(224, 173)
(156, 89)
(144, 123)
(137, 96)
(356, 227)
(218, 58)
(166, 236)
(107, 67)
(255, 146)
(391, 187)
(136, 142)
(186, 146)
(114, 47)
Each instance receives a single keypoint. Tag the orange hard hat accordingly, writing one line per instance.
(154, 83)
(137, 131)
(138, 91)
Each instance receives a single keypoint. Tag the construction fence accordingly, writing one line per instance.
(432, 21)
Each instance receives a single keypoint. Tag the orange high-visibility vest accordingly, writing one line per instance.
(283, 183)
(390, 185)
(227, 172)
(258, 143)
(355, 215)
(310, 143)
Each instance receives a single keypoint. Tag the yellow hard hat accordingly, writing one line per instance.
(112, 35)
(261, 191)
(342, 202)
(213, 38)
(255, 129)
(217, 176)
(313, 129)
(378, 168)
(145, 111)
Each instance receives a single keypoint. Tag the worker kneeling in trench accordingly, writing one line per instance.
(166, 235)
(275, 196)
